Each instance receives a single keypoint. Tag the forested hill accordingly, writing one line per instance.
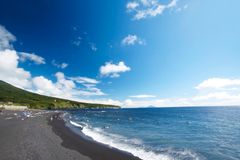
(16, 96)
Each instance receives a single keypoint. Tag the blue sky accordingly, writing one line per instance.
(133, 53)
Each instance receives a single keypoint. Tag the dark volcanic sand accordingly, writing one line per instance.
(40, 138)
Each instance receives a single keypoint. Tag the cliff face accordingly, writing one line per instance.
(17, 96)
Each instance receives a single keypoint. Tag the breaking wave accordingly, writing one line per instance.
(133, 146)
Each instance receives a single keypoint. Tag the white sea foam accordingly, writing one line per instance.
(113, 141)
(75, 124)
(133, 146)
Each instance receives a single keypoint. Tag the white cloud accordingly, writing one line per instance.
(63, 87)
(84, 80)
(211, 99)
(91, 91)
(102, 101)
(212, 92)
(62, 82)
(172, 4)
(143, 96)
(6, 38)
(132, 40)
(10, 72)
(64, 65)
(66, 88)
(45, 86)
(90, 86)
(215, 95)
(148, 8)
(132, 5)
(31, 57)
(129, 103)
(218, 83)
(59, 65)
(9, 60)
(113, 70)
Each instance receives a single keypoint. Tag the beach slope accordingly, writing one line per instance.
(41, 135)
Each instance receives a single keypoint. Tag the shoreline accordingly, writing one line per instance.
(84, 145)
(43, 135)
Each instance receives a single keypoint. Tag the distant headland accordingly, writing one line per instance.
(13, 96)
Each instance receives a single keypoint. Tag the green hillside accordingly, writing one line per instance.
(11, 94)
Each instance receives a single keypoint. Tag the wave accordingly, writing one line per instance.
(76, 124)
(133, 146)
(114, 141)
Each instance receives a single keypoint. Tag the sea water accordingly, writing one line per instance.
(191, 133)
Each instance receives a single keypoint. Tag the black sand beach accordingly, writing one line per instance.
(44, 138)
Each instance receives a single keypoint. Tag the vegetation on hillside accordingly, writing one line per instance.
(13, 95)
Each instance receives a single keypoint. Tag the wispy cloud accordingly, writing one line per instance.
(142, 9)
(210, 92)
(85, 80)
(59, 65)
(77, 41)
(93, 46)
(211, 99)
(102, 101)
(83, 38)
(89, 84)
(6, 38)
(113, 70)
(179, 9)
(132, 40)
(218, 83)
(143, 96)
(31, 57)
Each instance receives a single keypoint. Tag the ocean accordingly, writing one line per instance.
(191, 133)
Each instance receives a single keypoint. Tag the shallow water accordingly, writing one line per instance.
(193, 133)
